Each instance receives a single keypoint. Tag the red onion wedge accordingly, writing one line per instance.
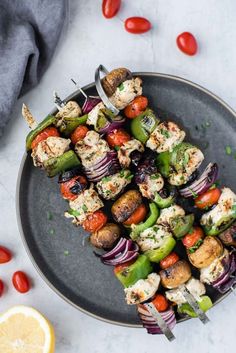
(116, 123)
(228, 278)
(90, 101)
(106, 166)
(150, 323)
(126, 250)
(203, 183)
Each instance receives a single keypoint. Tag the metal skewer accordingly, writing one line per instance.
(79, 88)
(160, 321)
(27, 115)
(59, 103)
(194, 305)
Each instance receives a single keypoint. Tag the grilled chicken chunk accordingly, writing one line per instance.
(165, 137)
(167, 214)
(111, 186)
(195, 287)
(126, 92)
(175, 275)
(225, 208)
(123, 208)
(125, 151)
(70, 110)
(143, 289)
(151, 185)
(86, 203)
(216, 268)
(153, 237)
(53, 146)
(91, 149)
(94, 113)
(208, 251)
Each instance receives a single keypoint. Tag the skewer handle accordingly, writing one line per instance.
(27, 115)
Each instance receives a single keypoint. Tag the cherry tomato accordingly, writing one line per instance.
(43, 135)
(208, 199)
(137, 106)
(187, 43)
(1, 287)
(95, 221)
(21, 282)
(192, 238)
(169, 260)
(121, 267)
(5, 255)
(137, 216)
(160, 302)
(110, 7)
(137, 25)
(117, 137)
(79, 134)
(66, 186)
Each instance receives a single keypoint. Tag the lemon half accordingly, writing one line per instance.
(24, 330)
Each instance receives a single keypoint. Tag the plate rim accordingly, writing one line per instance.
(18, 197)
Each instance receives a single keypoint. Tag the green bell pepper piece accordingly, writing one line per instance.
(181, 225)
(69, 124)
(164, 163)
(157, 255)
(162, 202)
(205, 304)
(150, 221)
(140, 269)
(179, 156)
(143, 125)
(219, 227)
(56, 165)
(48, 121)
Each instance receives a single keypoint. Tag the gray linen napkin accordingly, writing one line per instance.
(29, 32)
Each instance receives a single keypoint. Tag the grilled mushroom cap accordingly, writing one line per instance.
(112, 80)
(228, 237)
(106, 237)
(123, 208)
(175, 275)
(210, 250)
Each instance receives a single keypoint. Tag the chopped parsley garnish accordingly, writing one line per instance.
(49, 215)
(129, 177)
(165, 133)
(228, 150)
(234, 210)
(121, 87)
(117, 148)
(195, 247)
(193, 193)
(84, 208)
(154, 176)
(66, 253)
(107, 178)
(122, 172)
(52, 231)
(186, 159)
(74, 213)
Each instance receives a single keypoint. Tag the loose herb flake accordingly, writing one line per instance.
(66, 253)
(228, 150)
(52, 231)
(121, 87)
(49, 216)
(84, 208)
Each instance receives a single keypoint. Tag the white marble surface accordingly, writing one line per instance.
(88, 41)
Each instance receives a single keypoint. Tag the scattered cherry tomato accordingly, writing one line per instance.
(95, 221)
(1, 287)
(5, 255)
(187, 43)
(21, 282)
(110, 8)
(137, 216)
(66, 186)
(43, 135)
(137, 25)
(117, 137)
(160, 302)
(121, 267)
(192, 238)
(208, 199)
(137, 106)
(169, 260)
(78, 134)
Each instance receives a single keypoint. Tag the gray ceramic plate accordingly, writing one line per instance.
(79, 277)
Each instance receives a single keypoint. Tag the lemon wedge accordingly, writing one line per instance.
(24, 330)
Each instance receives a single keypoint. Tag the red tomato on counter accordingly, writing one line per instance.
(1, 287)
(21, 282)
(137, 25)
(110, 8)
(5, 255)
(187, 43)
